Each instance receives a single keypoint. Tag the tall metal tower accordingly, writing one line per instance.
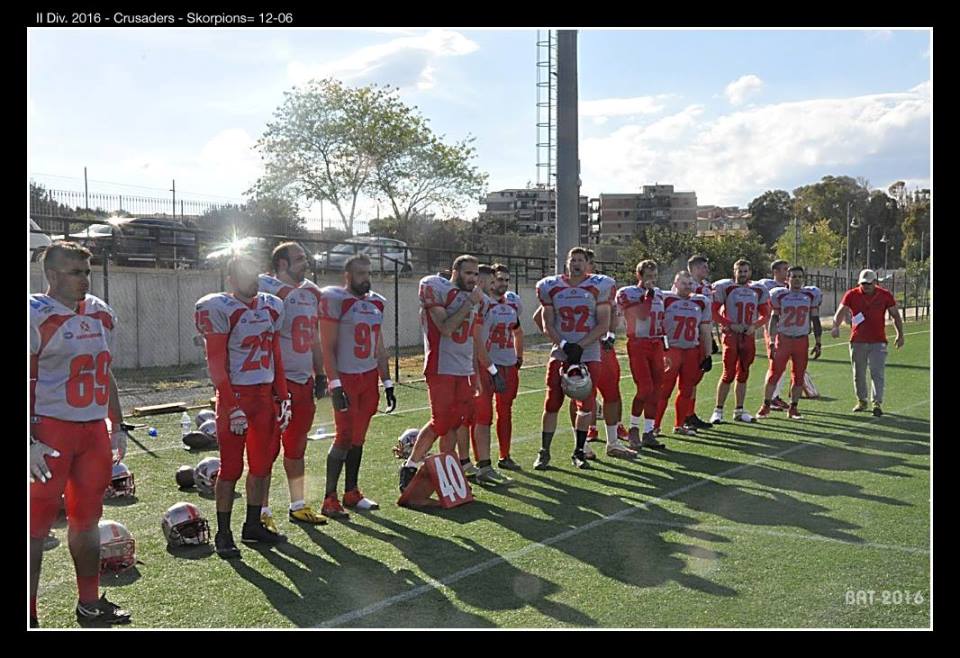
(546, 108)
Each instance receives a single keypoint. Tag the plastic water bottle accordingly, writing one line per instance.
(185, 424)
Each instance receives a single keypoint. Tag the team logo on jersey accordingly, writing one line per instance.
(37, 304)
(84, 326)
(68, 335)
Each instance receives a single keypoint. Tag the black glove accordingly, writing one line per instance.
(499, 383)
(519, 362)
(391, 400)
(707, 364)
(608, 341)
(650, 292)
(573, 352)
(320, 386)
(340, 400)
(715, 349)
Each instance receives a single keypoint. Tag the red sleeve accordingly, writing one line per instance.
(217, 351)
(34, 363)
(279, 376)
(717, 317)
(845, 300)
(764, 311)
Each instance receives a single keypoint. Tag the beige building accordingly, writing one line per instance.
(533, 209)
(715, 221)
(619, 216)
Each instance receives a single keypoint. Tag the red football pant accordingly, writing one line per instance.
(451, 401)
(646, 366)
(608, 385)
(788, 348)
(554, 399)
(294, 438)
(484, 406)
(684, 364)
(363, 394)
(739, 351)
(80, 474)
(261, 440)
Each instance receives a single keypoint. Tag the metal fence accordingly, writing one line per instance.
(68, 203)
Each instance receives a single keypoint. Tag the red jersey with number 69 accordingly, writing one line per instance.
(360, 321)
(70, 358)
(251, 330)
(298, 330)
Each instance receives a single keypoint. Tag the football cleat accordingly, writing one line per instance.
(620, 451)
(861, 406)
(633, 438)
(657, 431)
(333, 509)
(743, 417)
(588, 452)
(778, 404)
(592, 433)
(542, 462)
(225, 546)
(269, 523)
(696, 423)
(406, 476)
(470, 470)
(306, 515)
(101, 613)
(716, 417)
(877, 411)
(622, 432)
(508, 464)
(764, 411)
(579, 460)
(257, 532)
(355, 498)
(794, 414)
(685, 430)
(489, 475)
(650, 441)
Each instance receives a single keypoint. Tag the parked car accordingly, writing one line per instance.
(156, 241)
(39, 240)
(382, 252)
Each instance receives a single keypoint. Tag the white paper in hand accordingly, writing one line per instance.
(857, 319)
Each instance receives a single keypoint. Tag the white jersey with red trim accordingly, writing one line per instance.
(648, 323)
(770, 284)
(298, 330)
(704, 288)
(683, 317)
(500, 318)
(741, 302)
(574, 310)
(70, 357)
(795, 308)
(446, 355)
(608, 292)
(251, 330)
(360, 322)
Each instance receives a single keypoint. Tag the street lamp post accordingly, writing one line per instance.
(850, 224)
(883, 241)
(868, 246)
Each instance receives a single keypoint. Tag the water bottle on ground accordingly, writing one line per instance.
(186, 425)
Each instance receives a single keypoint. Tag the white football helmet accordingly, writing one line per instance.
(209, 427)
(183, 525)
(117, 547)
(121, 482)
(405, 443)
(206, 473)
(575, 381)
(204, 415)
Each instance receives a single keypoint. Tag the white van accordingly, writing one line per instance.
(39, 240)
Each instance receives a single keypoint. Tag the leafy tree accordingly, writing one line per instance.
(819, 245)
(769, 215)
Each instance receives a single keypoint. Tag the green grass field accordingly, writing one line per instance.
(775, 524)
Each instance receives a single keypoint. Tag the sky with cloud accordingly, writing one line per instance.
(726, 113)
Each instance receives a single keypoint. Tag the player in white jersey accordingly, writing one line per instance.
(687, 319)
(642, 306)
(500, 340)
(448, 311)
(72, 391)
(794, 310)
(778, 279)
(351, 325)
(699, 268)
(302, 362)
(576, 315)
(240, 329)
(740, 306)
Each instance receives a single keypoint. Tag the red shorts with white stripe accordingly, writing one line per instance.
(608, 384)
(303, 406)
(787, 349)
(451, 401)
(555, 393)
(739, 351)
(363, 393)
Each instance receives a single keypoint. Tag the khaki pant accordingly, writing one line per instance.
(874, 356)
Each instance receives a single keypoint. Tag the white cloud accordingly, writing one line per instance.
(733, 158)
(403, 62)
(738, 90)
(617, 107)
(880, 35)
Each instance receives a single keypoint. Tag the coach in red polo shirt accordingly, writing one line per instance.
(865, 308)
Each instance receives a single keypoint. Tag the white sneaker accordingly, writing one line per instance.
(743, 417)
(588, 452)
(365, 504)
(717, 416)
(617, 449)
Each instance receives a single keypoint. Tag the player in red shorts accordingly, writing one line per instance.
(72, 391)
(240, 329)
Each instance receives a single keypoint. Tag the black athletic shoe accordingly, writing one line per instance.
(225, 546)
(101, 613)
(877, 411)
(696, 423)
(650, 441)
(543, 460)
(406, 476)
(579, 460)
(508, 464)
(257, 532)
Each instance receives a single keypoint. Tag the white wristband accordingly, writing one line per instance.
(611, 335)
(387, 383)
(562, 343)
(335, 384)
(492, 369)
